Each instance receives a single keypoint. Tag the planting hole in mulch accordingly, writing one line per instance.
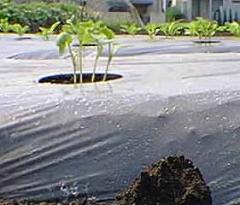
(206, 41)
(68, 78)
(23, 38)
(86, 45)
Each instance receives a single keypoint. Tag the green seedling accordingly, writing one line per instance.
(234, 28)
(99, 53)
(64, 42)
(84, 33)
(19, 29)
(5, 27)
(131, 29)
(47, 32)
(202, 28)
(112, 50)
(171, 29)
(80, 31)
(152, 30)
(223, 28)
(104, 36)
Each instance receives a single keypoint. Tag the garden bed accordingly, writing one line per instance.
(95, 138)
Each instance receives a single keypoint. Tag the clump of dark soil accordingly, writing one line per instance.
(171, 181)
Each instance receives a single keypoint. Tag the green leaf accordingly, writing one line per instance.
(54, 26)
(108, 33)
(64, 40)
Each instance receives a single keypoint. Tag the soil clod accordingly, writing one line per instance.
(170, 181)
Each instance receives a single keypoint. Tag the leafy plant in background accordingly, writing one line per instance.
(38, 14)
(115, 25)
(19, 29)
(210, 29)
(174, 14)
(131, 29)
(152, 30)
(193, 29)
(223, 28)
(202, 28)
(234, 28)
(46, 32)
(171, 29)
(4, 4)
(84, 33)
(4, 25)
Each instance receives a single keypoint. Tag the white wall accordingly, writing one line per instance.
(235, 4)
(185, 7)
(157, 14)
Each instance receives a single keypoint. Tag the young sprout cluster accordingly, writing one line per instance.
(234, 28)
(130, 28)
(86, 33)
(152, 30)
(171, 29)
(47, 32)
(203, 28)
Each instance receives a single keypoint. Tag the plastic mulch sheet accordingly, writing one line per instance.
(57, 141)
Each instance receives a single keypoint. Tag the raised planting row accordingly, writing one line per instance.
(38, 17)
(202, 28)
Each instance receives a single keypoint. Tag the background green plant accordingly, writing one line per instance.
(19, 29)
(131, 29)
(152, 30)
(171, 29)
(234, 28)
(4, 25)
(37, 14)
(202, 28)
(46, 32)
(4, 4)
(173, 14)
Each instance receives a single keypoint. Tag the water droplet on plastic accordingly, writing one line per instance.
(224, 118)
(37, 123)
(74, 190)
(206, 118)
(92, 199)
(109, 152)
